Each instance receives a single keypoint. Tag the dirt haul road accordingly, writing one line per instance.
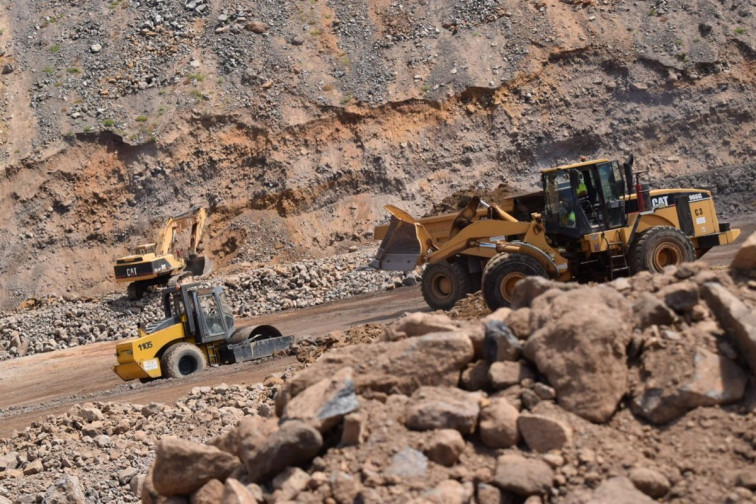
(50, 383)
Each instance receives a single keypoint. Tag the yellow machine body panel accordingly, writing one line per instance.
(137, 267)
(137, 358)
(705, 223)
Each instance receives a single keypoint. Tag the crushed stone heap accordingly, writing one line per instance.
(56, 323)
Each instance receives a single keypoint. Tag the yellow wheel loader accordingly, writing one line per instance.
(198, 330)
(595, 221)
(163, 262)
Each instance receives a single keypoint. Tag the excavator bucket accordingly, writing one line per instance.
(406, 240)
(199, 265)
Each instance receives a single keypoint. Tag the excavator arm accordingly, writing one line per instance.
(195, 218)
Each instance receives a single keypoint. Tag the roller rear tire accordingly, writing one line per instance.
(445, 283)
(182, 359)
(501, 275)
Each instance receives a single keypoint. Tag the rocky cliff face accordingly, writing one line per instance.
(296, 121)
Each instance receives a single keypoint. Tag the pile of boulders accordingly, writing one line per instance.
(309, 283)
(56, 323)
(552, 400)
(99, 452)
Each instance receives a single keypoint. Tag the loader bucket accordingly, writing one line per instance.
(199, 265)
(405, 242)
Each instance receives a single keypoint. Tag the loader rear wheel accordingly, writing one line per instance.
(660, 247)
(445, 283)
(501, 275)
(182, 359)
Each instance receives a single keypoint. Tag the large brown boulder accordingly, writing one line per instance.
(650, 310)
(507, 373)
(210, 493)
(523, 476)
(580, 348)
(443, 408)
(249, 433)
(498, 423)
(398, 366)
(745, 258)
(417, 324)
(619, 490)
(542, 433)
(181, 466)
(293, 444)
(738, 319)
(324, 404)
(678, 378)
(444, 447)
(531, 287)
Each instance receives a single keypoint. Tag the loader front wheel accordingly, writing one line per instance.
(182, 359)
(660, 247)
(501, 275)
(444, 283)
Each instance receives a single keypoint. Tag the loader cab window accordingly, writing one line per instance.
(613, 190)
(563, 216)
(588, 197)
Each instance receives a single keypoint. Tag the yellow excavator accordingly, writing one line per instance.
(593, 221)
(197, 330)
(163, 262)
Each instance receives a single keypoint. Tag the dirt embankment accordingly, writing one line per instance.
(296, 123)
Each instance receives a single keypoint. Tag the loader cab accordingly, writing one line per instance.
(582, 199)
(204, 312)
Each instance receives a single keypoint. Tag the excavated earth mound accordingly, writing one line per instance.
(639, 390)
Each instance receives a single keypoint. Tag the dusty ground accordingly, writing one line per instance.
(58, 379)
